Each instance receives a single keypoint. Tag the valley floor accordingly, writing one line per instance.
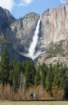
(33, 103)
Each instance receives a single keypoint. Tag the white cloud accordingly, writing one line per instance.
(7, 4)
(27, 1)
(24, 2)
(63, 1)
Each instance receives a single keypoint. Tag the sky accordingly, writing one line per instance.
(19, 8)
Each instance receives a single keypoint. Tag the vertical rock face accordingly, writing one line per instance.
(55, 24)
(23, 30)
(54, 29)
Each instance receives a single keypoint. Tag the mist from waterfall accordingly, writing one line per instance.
(33, 45)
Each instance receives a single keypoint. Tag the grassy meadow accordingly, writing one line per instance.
(34, 103)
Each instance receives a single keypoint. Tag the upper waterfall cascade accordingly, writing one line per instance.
(34, 42)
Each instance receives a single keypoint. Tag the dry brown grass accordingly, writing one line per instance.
(6, 93)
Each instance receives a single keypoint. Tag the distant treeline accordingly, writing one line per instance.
(22, 75)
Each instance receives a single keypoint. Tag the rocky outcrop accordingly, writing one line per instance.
(5, 18)
(23, 30)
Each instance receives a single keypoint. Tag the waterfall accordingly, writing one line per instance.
(33, 45)
(31, 51)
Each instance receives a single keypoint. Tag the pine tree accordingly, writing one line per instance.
(59, 75)
(15, 73)
(40, 76)
(29, 73)
(4, 72)
(49, 78)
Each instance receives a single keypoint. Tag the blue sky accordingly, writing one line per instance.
(19, 8)
(36, 6)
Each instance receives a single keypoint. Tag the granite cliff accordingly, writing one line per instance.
(53, 33)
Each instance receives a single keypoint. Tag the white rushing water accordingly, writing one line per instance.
(33, 45)
(31, 51)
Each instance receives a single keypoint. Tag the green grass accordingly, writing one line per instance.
(33, 103)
